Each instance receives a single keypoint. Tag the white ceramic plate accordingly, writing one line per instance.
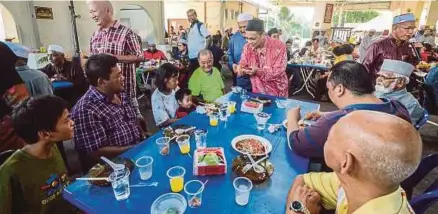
(265, 142)
(167, 201)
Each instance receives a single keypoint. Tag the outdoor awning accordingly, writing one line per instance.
(380, 23)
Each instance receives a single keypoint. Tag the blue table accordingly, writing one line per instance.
(307, 71)
(61, 85)
(218, 197)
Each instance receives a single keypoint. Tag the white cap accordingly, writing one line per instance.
(19, 49)
(398, 67)
(244, 17)
(55, 48)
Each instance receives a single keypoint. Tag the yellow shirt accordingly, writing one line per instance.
(333, 197)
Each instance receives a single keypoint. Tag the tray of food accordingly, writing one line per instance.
(251, 144)
(241, 161)
(251, 106)
(209, 161)
(103, 170)
(263, 100)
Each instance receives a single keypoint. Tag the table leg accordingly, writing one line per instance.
(306, 75)
(308, 85)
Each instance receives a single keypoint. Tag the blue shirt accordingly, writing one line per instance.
(432, 81)
(37, 82)
(235, 48)
(196, 41)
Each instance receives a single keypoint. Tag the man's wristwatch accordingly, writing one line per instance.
(298, 206)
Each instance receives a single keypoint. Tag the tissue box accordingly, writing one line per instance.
(209, 161)
(251, 107)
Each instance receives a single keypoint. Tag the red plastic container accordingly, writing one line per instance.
(204, 169)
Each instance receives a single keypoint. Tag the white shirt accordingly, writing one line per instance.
(196, 41)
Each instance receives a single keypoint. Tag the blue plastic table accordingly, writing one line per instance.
(61, 84)
(218, 196)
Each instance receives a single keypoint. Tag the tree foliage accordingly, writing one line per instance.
(356, 16)
(288, 23)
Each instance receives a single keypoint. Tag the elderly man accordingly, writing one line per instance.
(264, 60)
(428, 37)
(235, 48)
(395, 47)
(62, 69)
(206, 82)
(37, 82)
(368, 167)
(198, 38)
(350, 88)
(274, 33)
(105, 121)
(113, 38)
(366, 42)
(391, 84)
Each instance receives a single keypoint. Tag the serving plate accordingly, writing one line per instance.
(264, 141)
(169, 203)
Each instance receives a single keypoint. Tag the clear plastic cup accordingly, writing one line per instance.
(120, 183)
(184, 143)
(163, 145)
(242, 187)
(261, 118)
(194, 189)
(214, 119)
(201, 138)
(223, 112)
(244, 94)
(176, 178)
(145, 166)
(231, 107)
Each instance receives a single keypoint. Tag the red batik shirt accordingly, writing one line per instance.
(118, 40)
(271, 62)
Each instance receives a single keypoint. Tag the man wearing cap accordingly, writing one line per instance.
(37, 82)
(366, 42)
(62, 69)
(396, 46)
(264, 59)
(235, 47)
(274, 33)
(153, 53)
(391, 84)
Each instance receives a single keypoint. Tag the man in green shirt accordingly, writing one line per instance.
(33, 178)
(206, 82)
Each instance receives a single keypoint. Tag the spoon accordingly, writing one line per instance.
(92, 179)
(153, 184)
(260, 169)
(257, 168)
(199, 190)
(113, 165)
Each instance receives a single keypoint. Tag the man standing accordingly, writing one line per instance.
(274, 33)
(428, 37)
(264, 60)
(391, 84)
(371, 153)
(118, 40)
(366, 42)
(198, 38)
(395, 46)
(235, 48)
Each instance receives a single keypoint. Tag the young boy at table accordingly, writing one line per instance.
(184, 98)
(33, 178)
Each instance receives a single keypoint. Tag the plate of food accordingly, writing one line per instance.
(302, 123)
(103, 170)
(177, 130)
(169, 203)
(251, 144)
(263, 100)
(241, 161)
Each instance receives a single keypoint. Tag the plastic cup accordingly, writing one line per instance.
(231, 107)
(244, 94)
(201, 138)
(176, 178)
(163, 145)
(194, 189)
(214, 119)
(223, 112)
(184, 143)
(261, 118)
(120, 183)
(242, 187)
(145, 165)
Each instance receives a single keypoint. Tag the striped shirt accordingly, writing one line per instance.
(100, 123)
(118, 40)
(309, 142)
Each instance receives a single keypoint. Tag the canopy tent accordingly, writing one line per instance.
(380, 23)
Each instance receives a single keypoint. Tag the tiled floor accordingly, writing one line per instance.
(429, 135)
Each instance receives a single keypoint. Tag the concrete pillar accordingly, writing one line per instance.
(432, 16)
(424, 13)
(319, 17)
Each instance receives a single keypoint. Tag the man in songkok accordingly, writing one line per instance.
(264, 59)
(235, 48)
(391, 84)
(396, 46)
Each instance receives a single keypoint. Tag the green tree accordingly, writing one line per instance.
(357, 16)
(287, 22)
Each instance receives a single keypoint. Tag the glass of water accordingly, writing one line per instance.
(261, 118)
(144, 165)
(201, 138)
(242, 187)
(244, 94)
(223, 112)
(120, 183)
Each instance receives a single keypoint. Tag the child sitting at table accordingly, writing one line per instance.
(342, 53)
(184, 98)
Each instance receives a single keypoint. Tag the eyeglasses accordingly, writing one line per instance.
(387, 78)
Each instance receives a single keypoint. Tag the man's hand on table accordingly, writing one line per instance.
(315, 115)
(308, 197)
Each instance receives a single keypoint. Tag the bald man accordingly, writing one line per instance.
(113, 38)
(371, 153)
